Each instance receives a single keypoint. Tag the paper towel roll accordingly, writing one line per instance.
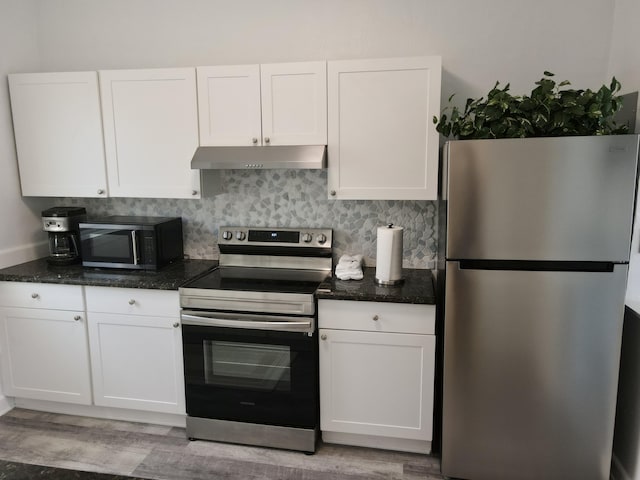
(389, 255)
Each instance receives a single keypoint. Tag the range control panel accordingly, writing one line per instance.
(290, 237)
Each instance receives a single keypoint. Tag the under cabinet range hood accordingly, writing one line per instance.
(280, 156)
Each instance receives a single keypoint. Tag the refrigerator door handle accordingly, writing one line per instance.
(535, 265)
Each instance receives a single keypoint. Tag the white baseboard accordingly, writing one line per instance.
(618, 472)
(5, 405)
(23, 253)
(371, 441)
(168, 419)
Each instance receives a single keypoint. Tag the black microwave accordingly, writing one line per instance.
(142, 243)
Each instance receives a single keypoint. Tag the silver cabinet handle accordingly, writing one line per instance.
(100, 191)
(254, 140)
(35, 295)
(176, 325)
(332, 193)
(323, 336)
(194, 192)
(132, 302)
(267, 140)
(376, 317)
(77, 318)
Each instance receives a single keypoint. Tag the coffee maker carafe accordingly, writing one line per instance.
(64, 233)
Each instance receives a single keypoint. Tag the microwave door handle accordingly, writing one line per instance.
(134, 242)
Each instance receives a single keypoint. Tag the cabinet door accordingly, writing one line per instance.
(382, 142)
(294, 103)
(229, 105)
(136, 362)
(377, 383)
(45, 355)
(151, 132)
(58, 132)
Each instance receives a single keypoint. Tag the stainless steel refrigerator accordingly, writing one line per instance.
(537, 252)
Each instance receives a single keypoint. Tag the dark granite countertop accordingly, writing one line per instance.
(416, 288)
(169, 277)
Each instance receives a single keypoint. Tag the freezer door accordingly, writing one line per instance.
(565, 198)
(530, 373)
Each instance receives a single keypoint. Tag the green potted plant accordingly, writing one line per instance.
(548, 111)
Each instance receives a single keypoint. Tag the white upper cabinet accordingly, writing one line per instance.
(150, 132)
(229, 105)
(58, 132)
(294, 103)
(383, 144)
(269, 104)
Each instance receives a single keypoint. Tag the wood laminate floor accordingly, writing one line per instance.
(164, 453)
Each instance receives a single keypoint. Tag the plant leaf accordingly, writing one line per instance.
(549, 110)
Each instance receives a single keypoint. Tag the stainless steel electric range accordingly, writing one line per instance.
(250, 344)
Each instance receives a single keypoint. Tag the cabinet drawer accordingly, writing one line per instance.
(133, 301)
(41, 295)
(377, 316)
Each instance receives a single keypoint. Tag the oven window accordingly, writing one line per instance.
(108, 245)
(247, 365)
(111, 246)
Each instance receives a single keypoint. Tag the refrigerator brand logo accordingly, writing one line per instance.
(618, 149)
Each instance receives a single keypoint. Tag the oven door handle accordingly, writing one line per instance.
(237, 321)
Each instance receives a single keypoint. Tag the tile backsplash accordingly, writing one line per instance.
(285, 198)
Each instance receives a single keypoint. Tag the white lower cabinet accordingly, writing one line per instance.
(377, 374)
(43, 342)
(136, 349)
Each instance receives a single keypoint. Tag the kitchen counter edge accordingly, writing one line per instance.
(170, 277)
(417, 288)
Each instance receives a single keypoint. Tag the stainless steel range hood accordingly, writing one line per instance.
(294, 156)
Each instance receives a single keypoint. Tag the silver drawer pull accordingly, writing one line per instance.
(132, 302)
(323, 336)
(176, 325)
(77, 318)
(35, 295)
(376, 318)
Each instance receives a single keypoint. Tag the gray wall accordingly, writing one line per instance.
(18, 52)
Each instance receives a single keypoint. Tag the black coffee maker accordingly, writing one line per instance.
(64, 234)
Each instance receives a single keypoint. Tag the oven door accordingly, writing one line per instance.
(251, 375)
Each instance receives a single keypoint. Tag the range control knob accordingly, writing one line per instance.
(241, 235)
(322, 238)
(306, 237)
(227, 235)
